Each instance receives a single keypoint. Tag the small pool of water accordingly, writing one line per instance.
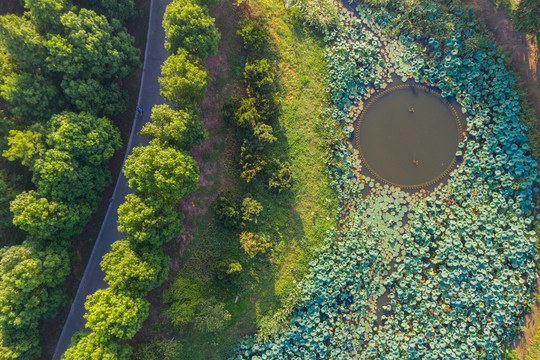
(408, 136)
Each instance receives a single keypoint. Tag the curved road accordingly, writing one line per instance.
(93, 277)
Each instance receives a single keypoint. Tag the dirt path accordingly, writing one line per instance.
(525, 61)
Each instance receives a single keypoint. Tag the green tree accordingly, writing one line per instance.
(182, 82)
(188, 26)
(122, 10)
(255, 36)
(251, 209)
(86, 138)
(47, 220)
(29, 97)
(61, 179)
(174, 127)
(133, 274)
(148, 223)
(183, 299)
(114, 316)
(163, 173)
(45, 14)
(26, 146)
(19, 37)
(102, 98)
(90, 47)
(252, 162)
(30, 290)
(88, 346)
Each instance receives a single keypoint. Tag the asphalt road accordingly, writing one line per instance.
(93, 277)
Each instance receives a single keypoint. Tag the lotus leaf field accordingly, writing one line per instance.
(439, 274)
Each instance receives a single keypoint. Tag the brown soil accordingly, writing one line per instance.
(209, 158)
(525, 61)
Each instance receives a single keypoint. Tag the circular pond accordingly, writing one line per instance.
(408, 136)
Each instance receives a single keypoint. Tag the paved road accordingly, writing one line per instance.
(92, 279)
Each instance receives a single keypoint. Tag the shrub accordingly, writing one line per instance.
(160, 349)
(212, 316)
(87, 346)
(253, 244)
(254, 34)
(183, 299)
(251, 209)
(281, 179)
(226, 210)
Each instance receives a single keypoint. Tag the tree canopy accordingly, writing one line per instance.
(87, 346)
(182, 82)
(162, 173)
(114, 316)
(176, 128)
(129, 273)
(188, 26)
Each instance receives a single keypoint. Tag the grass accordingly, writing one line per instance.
(534, 350)
(294, 221)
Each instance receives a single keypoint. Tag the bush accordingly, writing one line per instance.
(255, 36)
(281, 179)
(251, 209)
(226, 210)
(253, 244)
(259, 75)
(160, 349)
(212, 316)
(183, 299)
(87, 346)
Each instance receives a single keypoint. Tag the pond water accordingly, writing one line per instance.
(408, 136)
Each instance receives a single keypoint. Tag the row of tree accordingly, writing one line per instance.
(160, 173)
(59, 72)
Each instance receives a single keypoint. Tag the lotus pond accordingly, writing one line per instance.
(408, 136)
(444, 274)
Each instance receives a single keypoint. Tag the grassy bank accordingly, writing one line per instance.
(294, 221)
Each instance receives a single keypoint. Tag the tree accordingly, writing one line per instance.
(174, 127)
(114, 316)
(251, 209)
(148, 223)
(188, 26)
(253, 243)
(182, 82)
(246, 115)
(26, 146)
(29, 97)
(61, 179)
(255, 36)
(19, 37)
(86, 138)
(47, 220)
(99, 98)
(88, 346)
(30, 290)
(45, 14)
(134, 274)
(183, 299)
(90, 47)
(122, 10)
(161, 173)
